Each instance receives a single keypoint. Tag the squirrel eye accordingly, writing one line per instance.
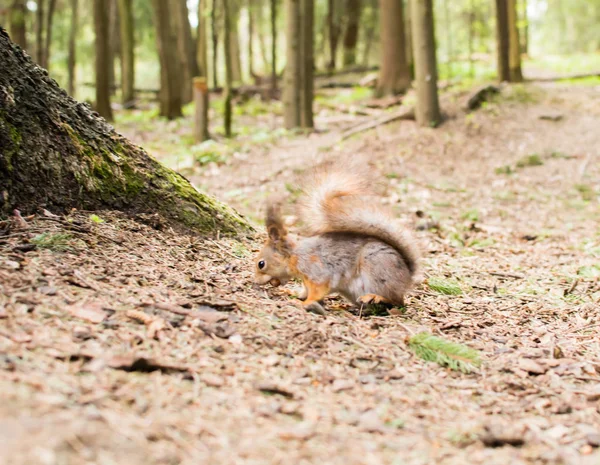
(261, 264)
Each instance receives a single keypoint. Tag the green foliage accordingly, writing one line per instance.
(587, 192)
(592, 271)
(449, 354)
(210, 152)
(96, 219)
(471, 215)
(59, 242)
(444, 286)
(530, 160)
(506, 169)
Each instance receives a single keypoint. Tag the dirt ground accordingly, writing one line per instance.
(122, 342)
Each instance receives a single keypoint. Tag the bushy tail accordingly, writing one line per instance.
(341, 199)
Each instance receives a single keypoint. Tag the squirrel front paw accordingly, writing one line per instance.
(315, 307)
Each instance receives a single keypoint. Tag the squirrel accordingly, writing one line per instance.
(351, 245)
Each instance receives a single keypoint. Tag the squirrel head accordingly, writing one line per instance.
(273, 261)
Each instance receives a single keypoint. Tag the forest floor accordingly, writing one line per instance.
(124, 344)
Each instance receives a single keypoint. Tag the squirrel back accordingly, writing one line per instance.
(341, 199)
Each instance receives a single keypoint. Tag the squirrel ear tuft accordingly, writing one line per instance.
(274, 222)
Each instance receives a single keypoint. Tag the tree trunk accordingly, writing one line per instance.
(449, 51)
(251, 38)
(55, 154)
(514, 44)
(394, 74)
(293, 67)
(351, 34)
(71, 60)
(215, 42)
(307, 63)
(39, 33)
(273, 48)
(127, 53)
(503, 40)
(48, 38)
(524, 34)
(17, 22)
(410, 56)
(262, 45)
(185, 48)
(101, 27)
(333, 21)
(471, 38)
(234, 41)
(166, 40)
(114, 43)
(228, 68)
(371, 25)
(427, 109)
(201, 46)
(201, 109)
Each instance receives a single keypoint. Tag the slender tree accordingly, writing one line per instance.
(71, 59)
(234, 41)
(353, 10)
(307, 8)
(215, 42)
(524, 33)
(228, 69)
(410, 59)
(334, 28)
(39, 33)
(427, 108)
(371, 24)
(251, 38)
(293, 68)
(273, 48)
(114, 43)
(166, 40)
(127, 53)
(17, 22)
(394, 74)
(185, 48)
(503, 39)
(514, 44)
(201, 45)
(101, 27)
(48, 38)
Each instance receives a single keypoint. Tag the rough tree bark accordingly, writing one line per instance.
(201, 45)
(503, 40)
(17, 22)
(514, 59)
(293, 67)
(353, 10)
(166, 40)
(55, 154)
(71, 59)
(127, 53)
(185, 48)
(428, 108)
(48, 37)
(39, 33)
(228, 68)
(101, 27)
(394, 74)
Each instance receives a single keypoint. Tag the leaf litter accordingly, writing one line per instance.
(98, 386)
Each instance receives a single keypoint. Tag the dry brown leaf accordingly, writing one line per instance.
(89, 311)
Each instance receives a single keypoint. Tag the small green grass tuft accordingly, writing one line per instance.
(592, 271)
(530, 160)
(471, 215)
(59, 242)
(96, 219)
(444, 286)
(445, 353)
(587, 192)
(506, 169)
